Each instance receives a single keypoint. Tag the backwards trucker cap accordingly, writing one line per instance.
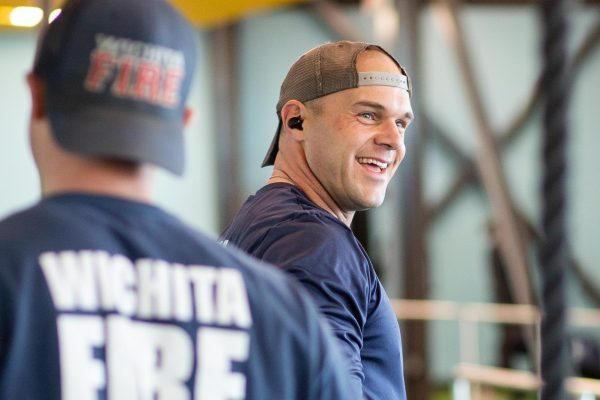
(117, 75)
(327, 69)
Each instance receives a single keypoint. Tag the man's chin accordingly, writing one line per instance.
(372, 203)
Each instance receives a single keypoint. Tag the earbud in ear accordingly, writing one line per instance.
(295, 123)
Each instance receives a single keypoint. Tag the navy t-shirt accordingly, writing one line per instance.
(104, 298)
(279, 224)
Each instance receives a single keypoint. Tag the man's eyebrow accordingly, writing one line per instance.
(373, 104)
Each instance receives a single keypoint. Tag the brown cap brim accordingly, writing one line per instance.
(273, 149)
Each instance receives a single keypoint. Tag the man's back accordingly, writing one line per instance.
(103, 297)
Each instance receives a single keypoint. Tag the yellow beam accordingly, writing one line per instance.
(209, 13)
(27, 3)
(205, 13)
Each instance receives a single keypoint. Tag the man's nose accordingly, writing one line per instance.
(390, 135)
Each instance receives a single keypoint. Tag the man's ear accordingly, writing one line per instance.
(37, 90)
(188, 114)
(292, 118)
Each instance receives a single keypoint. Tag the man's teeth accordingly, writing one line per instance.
(380, 164)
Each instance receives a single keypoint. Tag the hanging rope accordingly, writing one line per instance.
(554, 252)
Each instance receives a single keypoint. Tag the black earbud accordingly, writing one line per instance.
(295, 123)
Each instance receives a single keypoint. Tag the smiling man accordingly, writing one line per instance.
(343, 110)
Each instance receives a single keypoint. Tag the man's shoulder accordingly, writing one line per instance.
(73, 216)
(115, 226)
(283, 206)
(279, 222)
(290, 229)
(24, 220)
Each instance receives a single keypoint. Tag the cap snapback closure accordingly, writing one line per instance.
(382, 79)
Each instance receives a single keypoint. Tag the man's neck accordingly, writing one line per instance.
(313, 189)
(102, 178)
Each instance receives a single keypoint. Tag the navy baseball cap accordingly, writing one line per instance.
(117, 75)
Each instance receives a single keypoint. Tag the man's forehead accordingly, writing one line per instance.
(376, 61)
(390, 100)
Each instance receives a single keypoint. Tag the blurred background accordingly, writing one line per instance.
(457, 233)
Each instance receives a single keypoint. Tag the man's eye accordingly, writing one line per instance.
(401, 124)
(367, 115)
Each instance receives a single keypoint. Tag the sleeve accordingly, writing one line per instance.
(330, 378)
(322, 258)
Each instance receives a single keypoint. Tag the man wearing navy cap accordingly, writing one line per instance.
(102, 294)
(343, 110)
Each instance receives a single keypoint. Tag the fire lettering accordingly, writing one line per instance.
(153, 75)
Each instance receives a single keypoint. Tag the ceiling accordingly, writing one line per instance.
(207, 13)
(203, 13)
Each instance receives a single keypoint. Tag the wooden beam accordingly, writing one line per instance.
(426, 310)
(413, 230)
(225, 99)
(468, 174)
(499, 377)
(520, 380)
(336, 20)
(467, 170)
(509, 236)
